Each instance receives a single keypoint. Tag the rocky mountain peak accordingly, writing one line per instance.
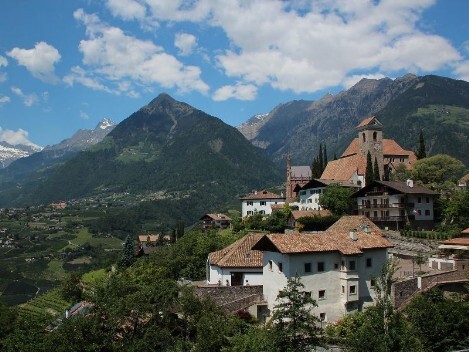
(105, 123)
(165, 103)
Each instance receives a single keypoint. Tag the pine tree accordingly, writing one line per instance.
(376, 176)
(320, 159)
(294, 326)
(421, 151)
(324, 159)
(335, 156)
(128, 253)
(369, 169)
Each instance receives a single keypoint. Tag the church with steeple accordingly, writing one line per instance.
(350, 168)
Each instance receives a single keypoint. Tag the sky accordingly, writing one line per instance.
(67, 64)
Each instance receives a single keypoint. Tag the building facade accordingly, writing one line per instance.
(260, 203)
(337, 267)
(394, 204)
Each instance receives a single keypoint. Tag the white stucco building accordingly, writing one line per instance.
(336, 266)
(237, 264)
(393, 204)
(260, 203)
(310, 193)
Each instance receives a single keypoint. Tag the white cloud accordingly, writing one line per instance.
(239, 91)
(3, 61)
(352, 80)
(112, 55)
(462, 70)
(84, 115)
(127, 9)
(39, 61)
(79, 75)
(15, 137)
(185, 43)
(4, 99)
(28, 99)
(306, 46)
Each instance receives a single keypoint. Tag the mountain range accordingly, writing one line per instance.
(438, 106)
(10, 153)
(167, 150)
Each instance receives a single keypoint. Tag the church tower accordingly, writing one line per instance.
(370, 138)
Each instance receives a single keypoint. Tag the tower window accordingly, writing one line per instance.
(364, 137)
(375, 135)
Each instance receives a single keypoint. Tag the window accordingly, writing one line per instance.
(353, 290)
(270, 265)
(262, 212)
(427, 200)
(419, 212)
(364, 137)
(249, 212)
(320, 266)
(322, 316)
(369, 262)
(263, 202)
(280, 267)
(307, 294)
(352, 265)
(250, 202)
(419, 200)
(373, 282)
(343, 289)
(322, 294)
(427, 212)
(307, 267)
(336, 265)
(302, 193)
(375, 134)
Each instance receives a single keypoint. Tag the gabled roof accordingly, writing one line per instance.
(369, 121)
(297, 214)
(144, 238)
(458, 241)
(358, 222)
(390, 148)
(398, 186)
(342, 242)
(216, 217)
(300, 171)
(239, 254)
(344, 168)
(465, 232)
(263, 195)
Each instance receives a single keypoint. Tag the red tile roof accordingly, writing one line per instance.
(300, 171)
(465, 232)
(390, 148)
(398, 186)
(296, 214)
(328, 241)
(262, 195)
(358, 222)
(239, 254)
(459, 241)
(217, 217)
(344, 168)
(366, 121)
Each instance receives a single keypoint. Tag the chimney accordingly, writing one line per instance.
(255, 192)
(410, 183)
(353, 235)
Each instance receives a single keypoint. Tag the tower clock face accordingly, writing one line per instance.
(377, 146)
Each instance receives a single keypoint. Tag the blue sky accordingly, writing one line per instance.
(66, 65)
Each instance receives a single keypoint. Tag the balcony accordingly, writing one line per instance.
(386, 206)
(387, 218)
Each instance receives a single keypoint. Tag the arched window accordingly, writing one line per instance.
(375, 135)
(364, 137)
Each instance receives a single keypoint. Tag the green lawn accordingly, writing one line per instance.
(94, 276)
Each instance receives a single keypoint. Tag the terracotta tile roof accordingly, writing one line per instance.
(390, 148)
(322, 242)
(296, 214)
(358, 222)
(366, 121)
(465, 232)
(300, 171)
(344, 168)
(239, 254)
(217, 217)
(458, 241)
(263, 195)
(400, 187)
(144, 238)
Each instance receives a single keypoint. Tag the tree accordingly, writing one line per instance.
(369, 169)
(435, 170)
(321, 159)
(324, 158)
(128, 253)
(457, 209)
(337, 199)
(71, 288)
(376, 176)
(421, 153)
(293, 325)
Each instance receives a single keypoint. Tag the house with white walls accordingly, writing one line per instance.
(337, 267)
(260, 203)
(394, 204)
(309, 193)
(236, 265)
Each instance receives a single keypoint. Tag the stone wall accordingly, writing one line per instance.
(403, 290)
(231, 298)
